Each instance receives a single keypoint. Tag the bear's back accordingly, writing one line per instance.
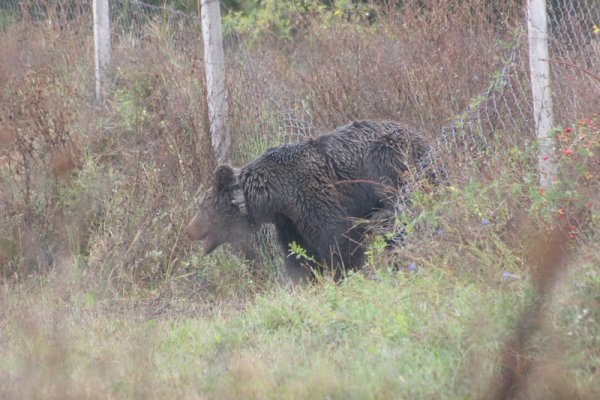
(345, 148)
(336, 155)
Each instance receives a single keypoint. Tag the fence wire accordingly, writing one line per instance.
(134, 23)
(504, 104)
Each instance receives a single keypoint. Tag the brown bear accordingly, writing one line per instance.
(315, 192)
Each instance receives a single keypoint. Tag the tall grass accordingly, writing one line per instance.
(102, 297)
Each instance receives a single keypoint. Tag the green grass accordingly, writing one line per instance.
(102, 297)
(420, 334)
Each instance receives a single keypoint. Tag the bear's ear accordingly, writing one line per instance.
(225, 177)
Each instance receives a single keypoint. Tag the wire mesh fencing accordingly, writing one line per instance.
(61, 13)
(505, 104)
(133, 23)
(574, 42)
(275, 106)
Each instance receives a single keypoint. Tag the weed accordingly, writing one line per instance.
(101, 296)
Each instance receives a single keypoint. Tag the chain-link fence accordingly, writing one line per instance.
(503, 104)
(134, 22)
(575, 57)
(60, 12)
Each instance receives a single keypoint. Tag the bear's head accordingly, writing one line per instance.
(221, 215)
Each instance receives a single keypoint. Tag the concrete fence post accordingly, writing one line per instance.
(539, 67)
(214, 62)
(101, 47)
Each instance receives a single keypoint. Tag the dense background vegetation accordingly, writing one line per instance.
(102, 297)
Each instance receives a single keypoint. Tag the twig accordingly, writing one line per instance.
(577, 67)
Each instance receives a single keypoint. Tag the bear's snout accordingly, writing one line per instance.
(199, 229)
(195, 229)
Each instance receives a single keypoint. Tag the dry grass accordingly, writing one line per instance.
(101, 297)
